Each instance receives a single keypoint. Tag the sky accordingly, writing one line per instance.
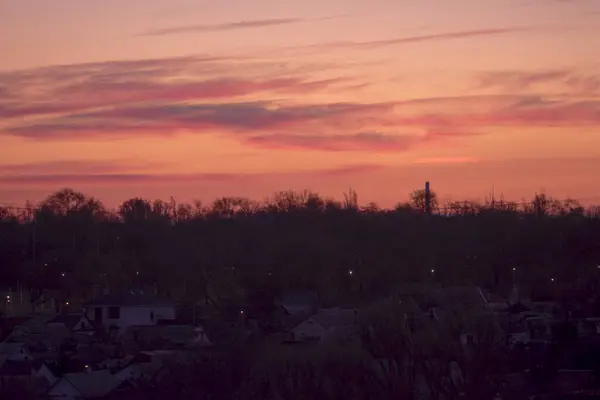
(200, 99)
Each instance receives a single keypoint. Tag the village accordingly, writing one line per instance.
(107, 346)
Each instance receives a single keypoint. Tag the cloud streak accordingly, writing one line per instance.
(269, 107)
(444, 36)
(573, 82)
(106, 174)
(251, 24)
(369, 127)
(76, 97)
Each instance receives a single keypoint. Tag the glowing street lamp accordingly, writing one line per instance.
(350, 272)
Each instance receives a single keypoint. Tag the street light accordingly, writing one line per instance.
(350, 272)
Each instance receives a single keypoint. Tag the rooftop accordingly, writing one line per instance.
(68, 320)
(330, 317)
(93, 384)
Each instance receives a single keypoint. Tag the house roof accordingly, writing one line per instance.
(7, 325)
(68, 320)
(11, 348)
(335, 317)
(93, 383)
(129, 300)
(175, 334)
(19, 368)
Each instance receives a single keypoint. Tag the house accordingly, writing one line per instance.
(544, 307)
(325, 324)
(118, 312)
(496, 302)
(42, 339)
(84, 385)
(167, 336)
(15, 352)
(468, 297)
(25, 370)
(144, 366)
(8, 324)
(75, 323)
(517, 334)
(299, 302)
(588, 327)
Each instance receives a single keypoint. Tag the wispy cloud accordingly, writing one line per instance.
(369, 127)
(251, 24)
(103, 174)
(267, 105)
(76, 88)
(362, 141)
(566, 80)
(76, 97)
(443, 36)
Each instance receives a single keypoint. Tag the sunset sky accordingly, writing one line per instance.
(199, 99)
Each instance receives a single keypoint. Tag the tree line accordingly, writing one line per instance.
(236, 249)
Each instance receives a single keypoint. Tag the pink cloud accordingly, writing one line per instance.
(325, 127)
(78, 97)
(145, 97)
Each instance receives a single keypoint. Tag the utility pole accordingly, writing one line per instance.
(427, 198)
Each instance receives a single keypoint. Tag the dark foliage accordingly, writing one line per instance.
(238, 250)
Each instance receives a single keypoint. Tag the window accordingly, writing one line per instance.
(114, 312)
